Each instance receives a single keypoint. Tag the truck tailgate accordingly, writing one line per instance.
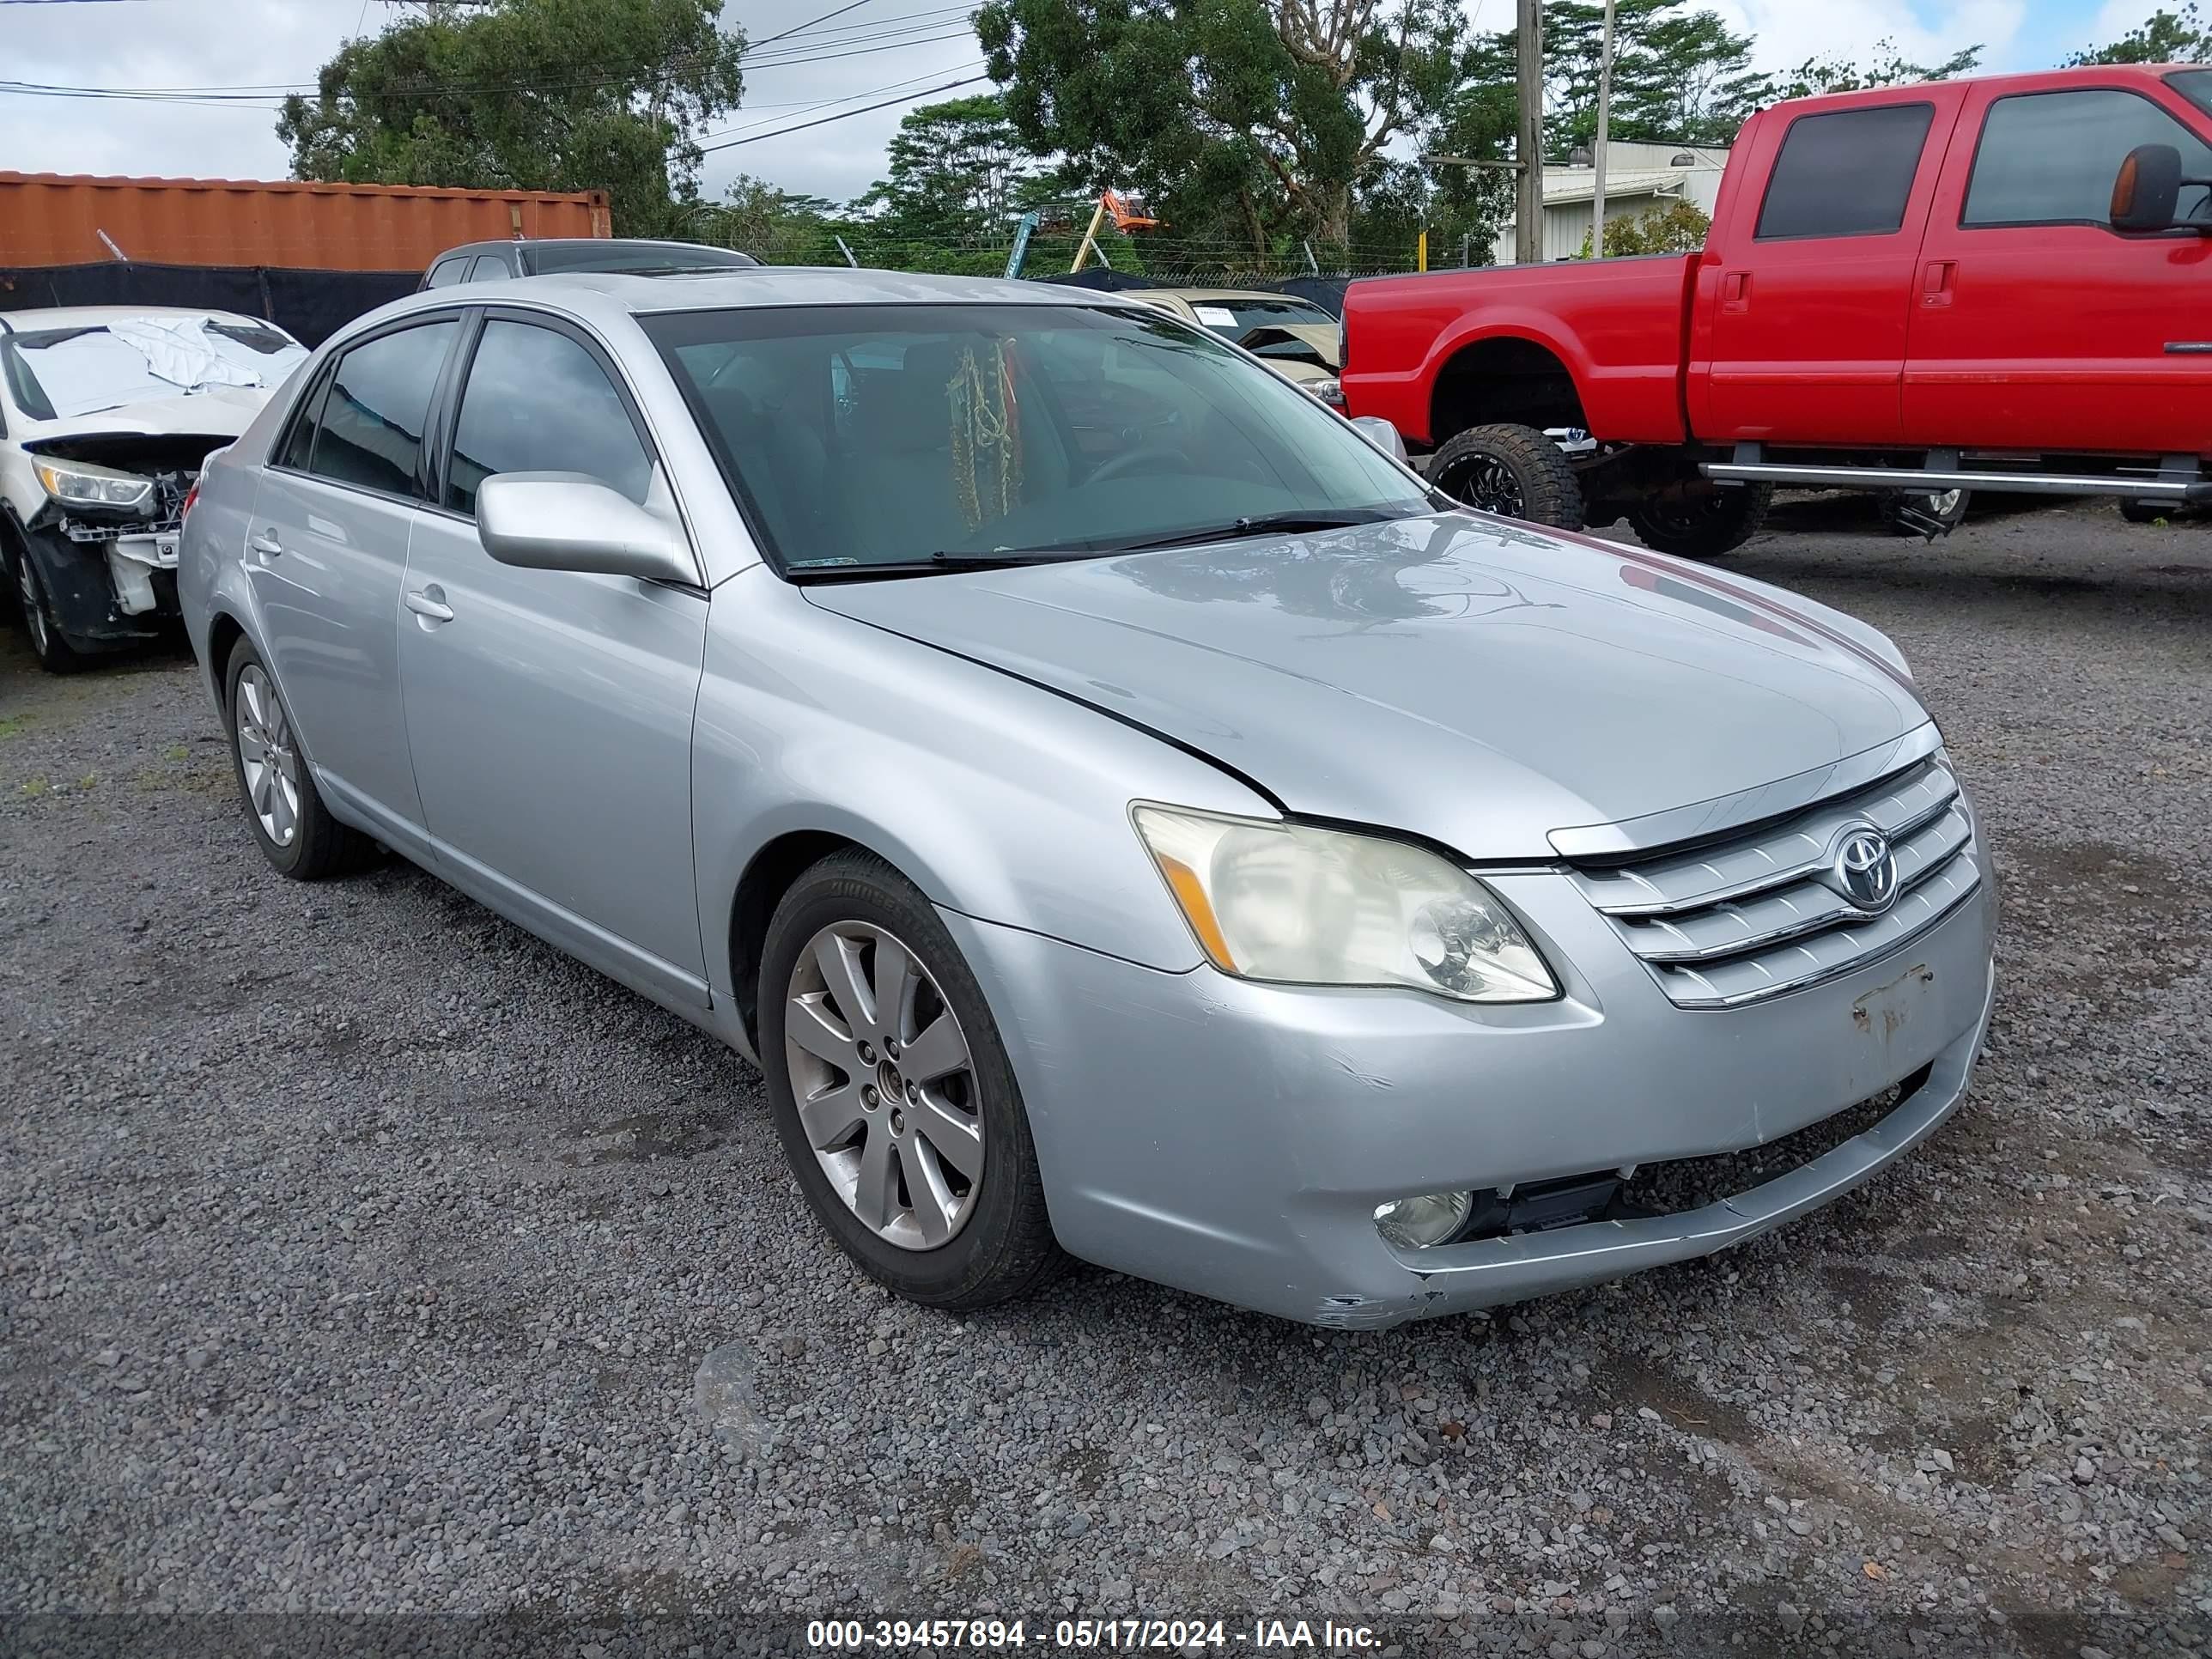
(1620, 327)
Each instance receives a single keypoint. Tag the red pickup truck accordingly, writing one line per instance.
(1999, 283)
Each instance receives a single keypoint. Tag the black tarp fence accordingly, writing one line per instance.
(308, 305)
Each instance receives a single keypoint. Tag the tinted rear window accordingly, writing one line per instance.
(1845, 175)
(369, 430)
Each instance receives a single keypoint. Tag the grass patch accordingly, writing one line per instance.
(35, 787)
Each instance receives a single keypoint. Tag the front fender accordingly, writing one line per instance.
(998, 799)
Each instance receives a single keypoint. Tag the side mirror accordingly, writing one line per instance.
(2148, 190)
(1380, 433)
(570, 521)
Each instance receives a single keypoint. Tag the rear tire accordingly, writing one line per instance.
(1947, 506)
(1700, 521)
(949, 1211)
(285, 810)
(2144, 511)
(1514, 471)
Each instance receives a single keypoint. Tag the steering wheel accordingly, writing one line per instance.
(1115, 466)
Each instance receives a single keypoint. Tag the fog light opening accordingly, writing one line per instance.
(1415, 1223)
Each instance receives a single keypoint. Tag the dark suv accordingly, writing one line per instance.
(485, 262)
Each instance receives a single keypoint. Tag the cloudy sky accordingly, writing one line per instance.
(879, 50)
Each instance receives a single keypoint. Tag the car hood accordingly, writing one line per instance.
(218, 411)
(1475, 682)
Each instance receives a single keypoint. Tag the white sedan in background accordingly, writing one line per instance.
(107, 414)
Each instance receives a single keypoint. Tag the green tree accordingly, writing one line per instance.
(1885, 67)
(1676, 227)
(956, 172)
(528, 95)
(2166, 37)
(1249, 121)
(773, 225)
(1678, 77)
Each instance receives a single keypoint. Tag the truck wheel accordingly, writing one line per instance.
(2145, 511)
(1514, 472)
(1701, 521)
(1909, 512)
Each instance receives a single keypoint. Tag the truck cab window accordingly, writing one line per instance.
(1845, 175)
(2049, 158)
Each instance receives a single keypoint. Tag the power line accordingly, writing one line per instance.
(807, 108)
(821, 121)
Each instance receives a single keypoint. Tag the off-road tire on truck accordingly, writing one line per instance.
(1513, 470)
(1948, 507)
(1699, 520)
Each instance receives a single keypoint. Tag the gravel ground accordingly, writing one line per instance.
(363, 1254)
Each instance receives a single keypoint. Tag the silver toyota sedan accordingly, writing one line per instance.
(1122, 810)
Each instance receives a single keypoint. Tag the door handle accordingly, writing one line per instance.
(1936, 282)
(1735, 290)
(430, 602)
(264, 542)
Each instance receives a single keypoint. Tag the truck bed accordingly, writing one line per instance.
(1620, 325)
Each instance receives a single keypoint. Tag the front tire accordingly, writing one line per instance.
(54, 653)
(2144, 511)
(1513, 470)
(1700, 521)
(293, 828)
(892, 1093)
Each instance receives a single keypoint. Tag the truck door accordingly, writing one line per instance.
(1802, 294)
(2035, 325)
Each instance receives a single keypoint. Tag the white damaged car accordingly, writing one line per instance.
(107, 414)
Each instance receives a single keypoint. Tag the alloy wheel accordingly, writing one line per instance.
(885, 1085)
(34, 603)
(1487, 484)
(267, 757)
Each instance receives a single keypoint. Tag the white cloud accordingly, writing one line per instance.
(2117, 17)
(1790, 31)
(282, 43)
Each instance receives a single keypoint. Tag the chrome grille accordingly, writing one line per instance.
(1751, 917)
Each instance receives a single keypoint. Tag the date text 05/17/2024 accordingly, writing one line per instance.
(1122, 1635)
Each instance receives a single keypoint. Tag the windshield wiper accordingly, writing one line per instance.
(1265, 523)
(937, 564)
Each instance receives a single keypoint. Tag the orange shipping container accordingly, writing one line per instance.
(57, 219)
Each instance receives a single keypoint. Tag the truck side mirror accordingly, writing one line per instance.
(2149, 189)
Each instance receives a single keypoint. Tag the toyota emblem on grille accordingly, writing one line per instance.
(1866, 870)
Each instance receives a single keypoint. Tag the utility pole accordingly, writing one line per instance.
(1529, 134)
(1604, 108)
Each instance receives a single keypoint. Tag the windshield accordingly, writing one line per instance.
(57, 372)
(859, 435)
(548, 257)
(1232, 320)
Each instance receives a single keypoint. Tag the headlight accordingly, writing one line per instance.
(80, 485)
(1286, 902)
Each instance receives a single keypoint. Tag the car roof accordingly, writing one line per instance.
(45, 317)
(492, 244)
(605, 296)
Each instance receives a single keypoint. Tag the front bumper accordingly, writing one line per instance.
(1234, 1140)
